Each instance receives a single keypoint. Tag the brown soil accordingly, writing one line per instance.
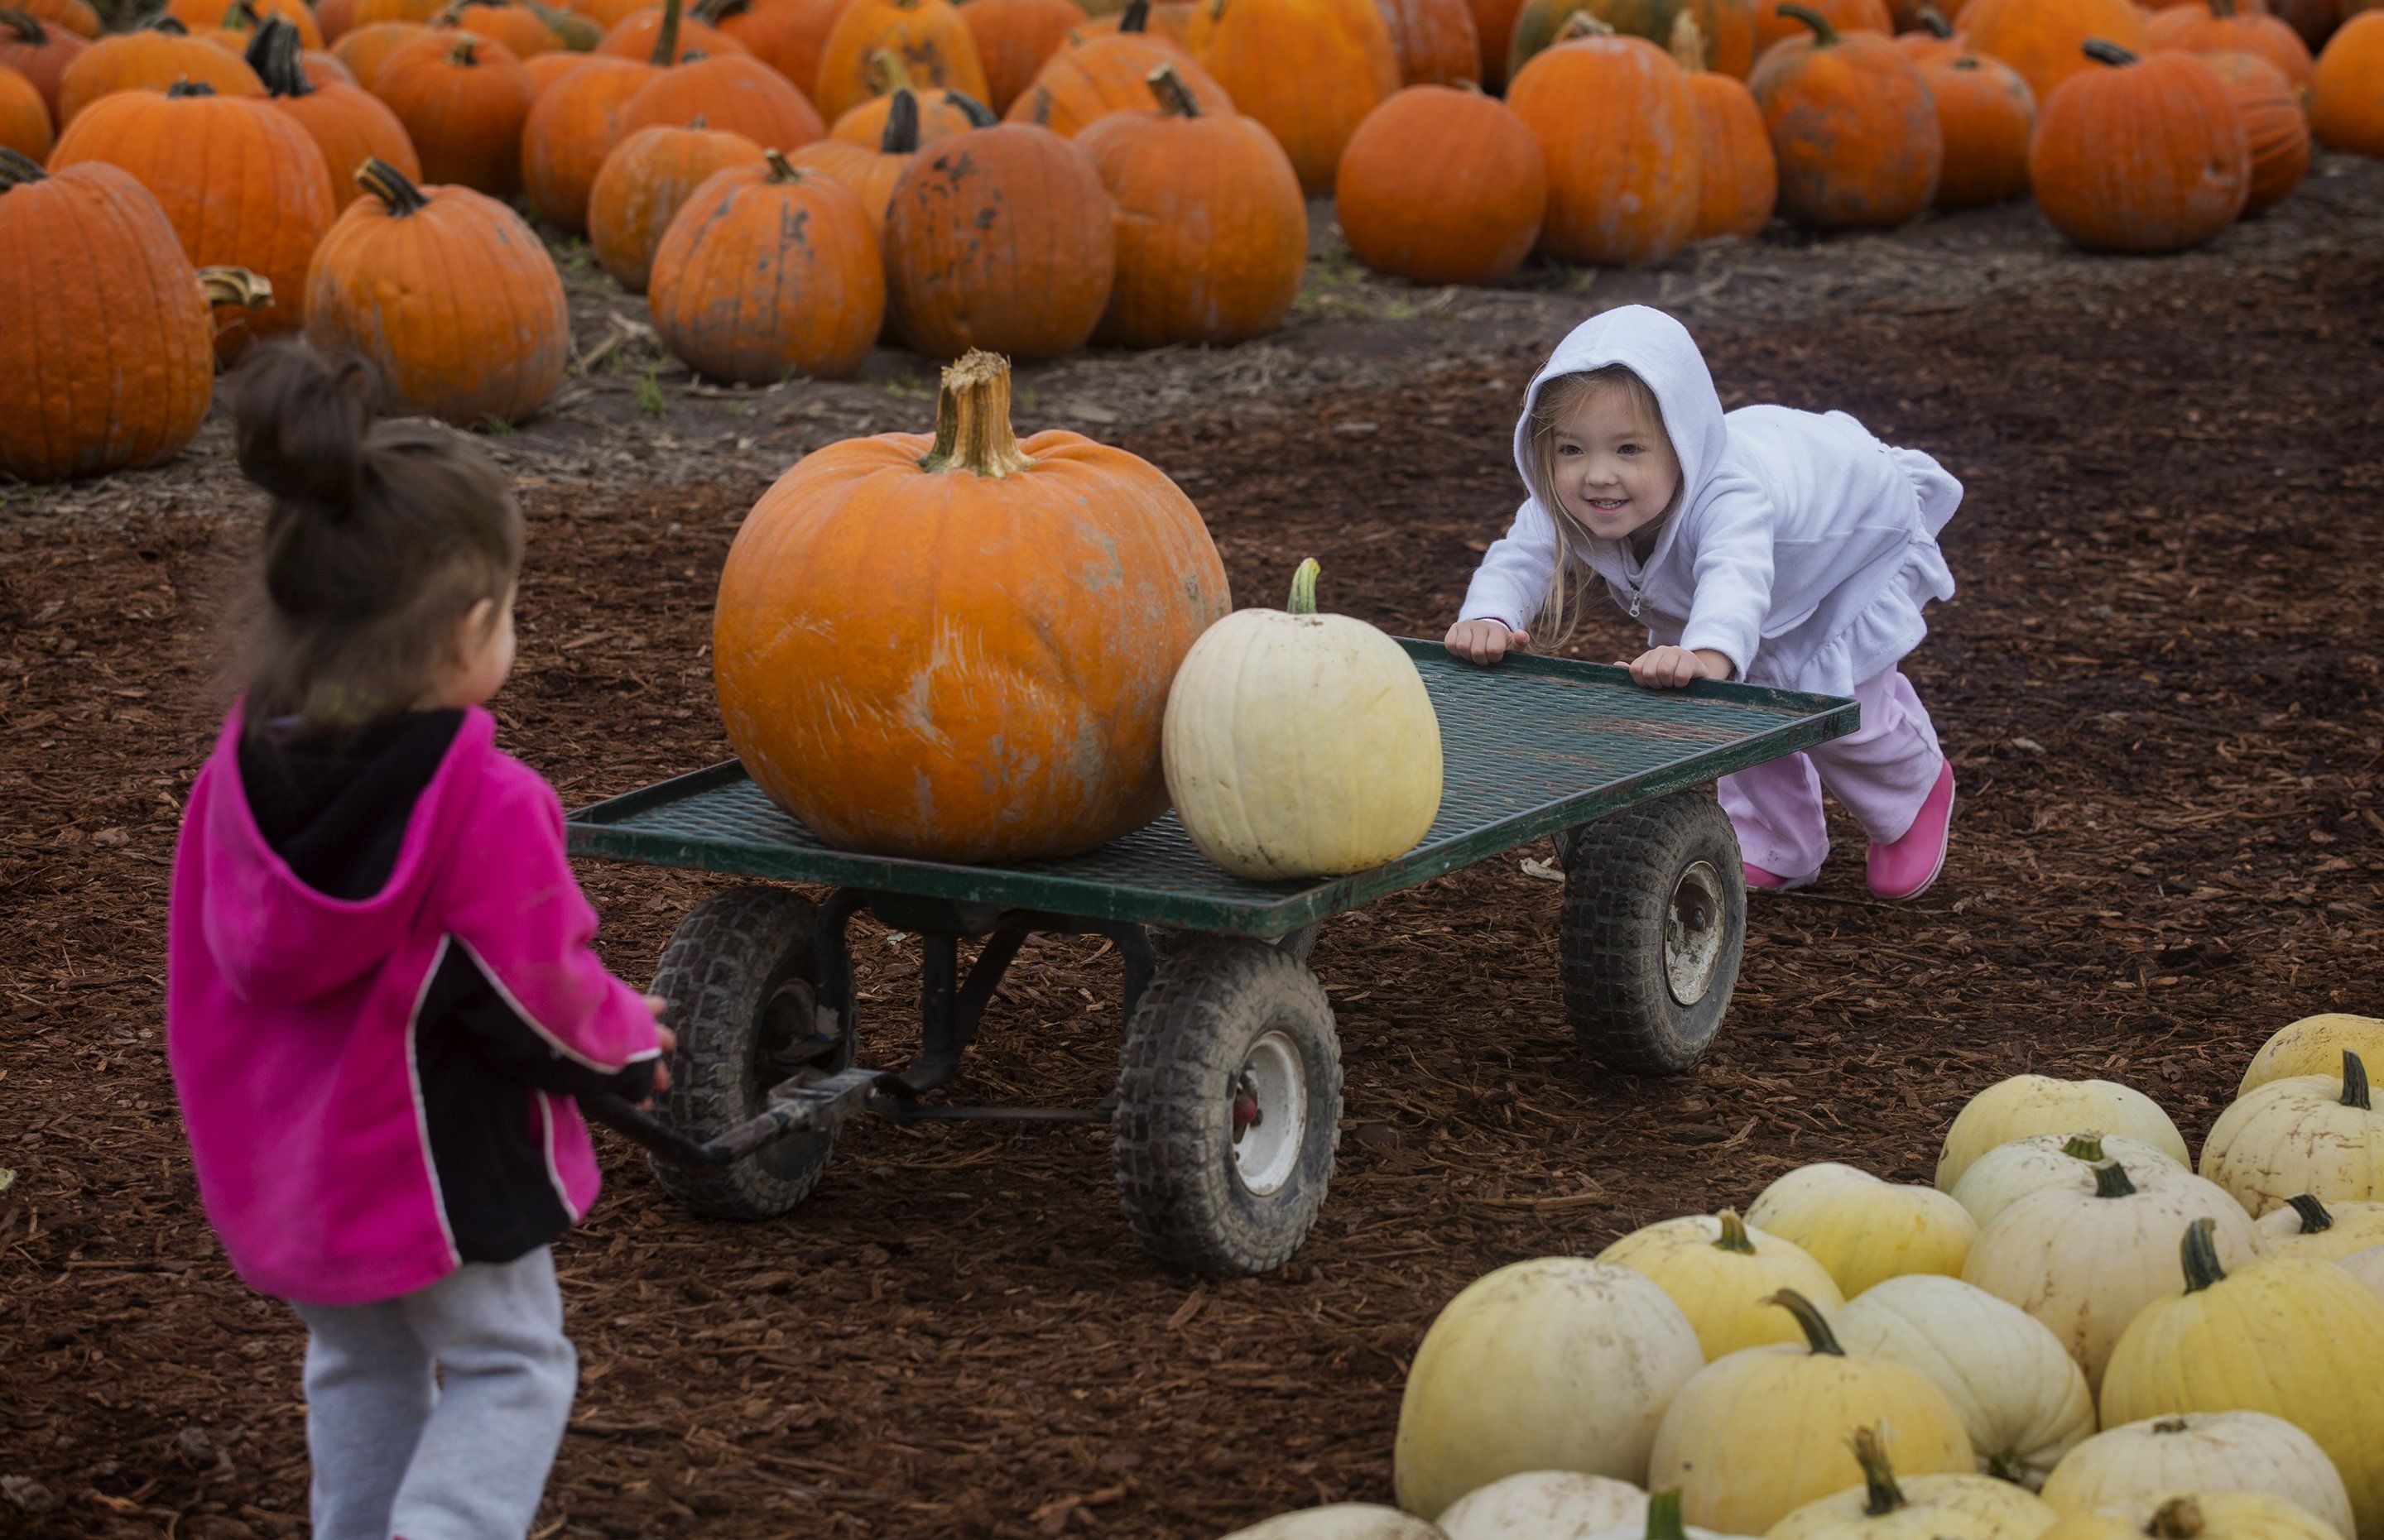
(2159, 685)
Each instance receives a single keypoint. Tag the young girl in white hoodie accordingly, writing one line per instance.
(1776, 547)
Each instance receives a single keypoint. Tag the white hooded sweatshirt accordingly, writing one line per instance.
(1801, 547)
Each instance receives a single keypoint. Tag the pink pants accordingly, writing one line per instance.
(1881, 773)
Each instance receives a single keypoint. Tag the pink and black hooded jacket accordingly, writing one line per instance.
(381, 1001)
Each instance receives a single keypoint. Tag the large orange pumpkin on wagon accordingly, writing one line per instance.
(1442, 184)
(2139, 154)
(2347, 93)
(2276, 129)
(1618, 129)
(2041, 39)
(1738, 178)
(1851, 124)
(1024, 608)
(1310, 70)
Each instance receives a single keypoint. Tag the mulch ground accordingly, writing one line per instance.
(2159, 685)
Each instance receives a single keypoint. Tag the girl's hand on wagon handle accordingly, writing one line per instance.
(1484, 641)
(1672, 667)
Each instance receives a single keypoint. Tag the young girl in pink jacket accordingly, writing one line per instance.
(1781, 548)
(381, 999)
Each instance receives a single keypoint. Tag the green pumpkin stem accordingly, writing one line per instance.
(1136, 18)
(241, 17)
(188, 87)
(27, 27)
(276, 54)
(390, 185)
(2178, 1519)
(1688, 45)
(887, 74)
(1175, 98)
(1733, 1235)
(17, 169)
(2354, 1082)
(1934, 22)
(978, 115)
(236, 286)
(665, 51)
(2100, 50)
(1303, 588)
(2199, 1252)
(901, 135)
(1664, 1520)
(2084, 1147)
(1881, 1497)
(972, 432)
(1823, 34)
(2313, 1215)
(2010, 1465)
(2111, 1181)
(1815, 1325)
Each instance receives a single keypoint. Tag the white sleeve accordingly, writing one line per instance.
(1733, 569)
(1513, 581)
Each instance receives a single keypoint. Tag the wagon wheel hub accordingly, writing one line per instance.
(1692, 933)
(1269, 1113)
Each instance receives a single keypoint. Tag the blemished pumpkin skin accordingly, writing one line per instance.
(1110, 72)
(1015, 39)
(1952, 1507)
(365, 48)
(150, 60)
(2014, 1169)
(2313, 1045)
(72, 16)
(241, 183)
(2044, 40)
(1986, 116)
(1719, 1271)
(1555, 1503)
(107, 347)
(1773, 25)
(448, 294)
(735, 92)
(638, 35)
(2195, 1515)
(38, 51)
(199, 14)
(1618, 130)
(1433, 41)
(2291, 1336)
(1442, 185)
(2308, 1133)
(2347, 93)
(2307, 1227)
(347, 123)
(1310, 70)
(1759, 1433)
(929, 37)
(1211, 230)
(873, 174)
(1852, 126)
(2276, 129)
(1030, 602)
(1557, 1363)
(2212, 26)
(1000, 238)
(24, 117)
(1738, 178)
(2138, 1464)
(942, 112)
(463, 101)
(2025, 1104)
(1863, 1229)
(645, 181)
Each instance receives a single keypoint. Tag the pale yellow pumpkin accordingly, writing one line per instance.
(1916, 1508)
(1545, 1505)
(1341, 1522)
(1863, 1229)
(2368, 1268)
(2199, 1516)
(2136, 1463)
(2313, 1045)
(1719, 1271)
(2012, 1171)
(2286, 1335)
(2084, 1264)
(1300, 745)
(1760, 1434)
(2305, 1133)
(2028, 1104)
(1558, 1364)
(2023, 1399)
(2305, 1228)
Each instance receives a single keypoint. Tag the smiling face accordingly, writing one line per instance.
(1612, 468)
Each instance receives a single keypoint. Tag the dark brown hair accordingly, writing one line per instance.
(381, 536)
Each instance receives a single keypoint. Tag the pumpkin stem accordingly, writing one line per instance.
(1934, 22)
(1303, 589)
(887, 74)
(699, 122)
(2111, 1181)
(1823, 34)
(1175, 100)
(1136, 18)
(1733, 1236)
(1882, 1495)
(241, 17)
(274, 54)
(28, 28)
(188, 87)
(1688, 45)
(665, 51)
(972, 431)
(2010, 1465)
(2100, 51)
(1581, 24)
(390, 185)
(781, 169)
(1818, 1335)
(978, 115)
(1664, 1515)
(2172, 1424)
(2178, 1519)
(2084, 1147)
(901, 135)
(466, 51)
(2199, 1252)
(2354, 1082)
(17, 169)
(170, 25)
(1466, 83)
(235, 286)
(2313, 1215)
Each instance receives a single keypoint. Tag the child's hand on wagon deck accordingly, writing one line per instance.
(1670, 667)
(1484, 641)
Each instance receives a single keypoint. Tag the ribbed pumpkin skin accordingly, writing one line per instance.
(1442, 186)
(637, 35)
(1025, 629)
(2313, 1045)
(1310, 70)
(2215, 25)
(570, 130)
(760, 276)
(2135, 1463)
(1853, 129)
(1985, 115)
(1738, 177)
(24, 117)
(2273, 127)
(1001, 238)
(1619, 132)
(1846, 15)
(1862, 1229)
(455, 304)
(40, 53)
(198, 14)
(2149, 156)
(928, 36)
(1015, 39)
(1433, 41)
(1211, 230)
(463, 101)
(150, 61)
(365, 49)
(871, 173)
(2347, 93)
(2300, 1339)
(2041, 39)
(106, 348)
(645, 180)
(1107, 73)
(735, 93)
(243, 185)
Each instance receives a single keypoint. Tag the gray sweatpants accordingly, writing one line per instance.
(459, 1456)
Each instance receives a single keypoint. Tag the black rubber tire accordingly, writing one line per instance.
(1621, 873)
(736, 954)
(1213, 999)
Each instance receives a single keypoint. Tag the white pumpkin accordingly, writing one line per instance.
(2084, 1264)
(1863, 1229)
(1300, 745)
(1719, 1270)
(2027, 1104)
(2023, 1399)
(1342, 1522)
(1882, 1506)
(2368, 1268)
(2135, 1463)
(1558, 1364)
(2198, 1516)
(2306, 1227)
(2014, 1170)
(2305, 1133)
(1545, 1505)
(2313, 1045)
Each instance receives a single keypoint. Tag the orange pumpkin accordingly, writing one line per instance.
(1170, 19)
(605, 14)
(2042, 38)
(463, 101)
(1110, 72)
(24, 117)
(198, 15)
(2139, 154)
(519, 27)
(1738, 179)
(1000, 237)
(2212, 25)
(2347, 89)
(1617, 123)
(68, 16)
(1310, 70)
(1433, 41)
(2276, 129)
(871, 173)
(40, 53)
(573, 126)
(544, 70)
(929, 37)
(1494, 28)
(365, 48)
(335, 17)
(1985, 115)
(1852, 127)
(941, 112)
(645, 180)
(106, 350)
(1026, 625)
(347, 123)
(150, 60)
(1016, 38)
(638, 35)
(369, 13)
(1442, 184)
(1934, 38)
(1845, 15)
(787, 35)
(447, 293)
(735, 92)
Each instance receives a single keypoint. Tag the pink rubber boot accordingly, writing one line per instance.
(1904, 867)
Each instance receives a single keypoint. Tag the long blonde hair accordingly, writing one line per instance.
(1554, 405)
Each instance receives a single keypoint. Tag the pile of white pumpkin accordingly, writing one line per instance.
(1859, 1359)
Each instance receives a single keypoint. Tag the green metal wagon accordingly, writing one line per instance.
(1228, 1100)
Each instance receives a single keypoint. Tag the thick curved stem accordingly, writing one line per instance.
(2313, 1215)
(1303, 588)
(1881, 1497)
(2111, 1181)
(27, 27)
(235, 286)
(275, 54)
(901, 135)
(978, 115)
(1815, 1325)
(2101, 50)
(2354, 1082)
(1823, 34)
(781, 169)
(2199, 1252)
(388, 184)
(1733, 1235)
(972, 430)
(1175, 97)
(1934, 22)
